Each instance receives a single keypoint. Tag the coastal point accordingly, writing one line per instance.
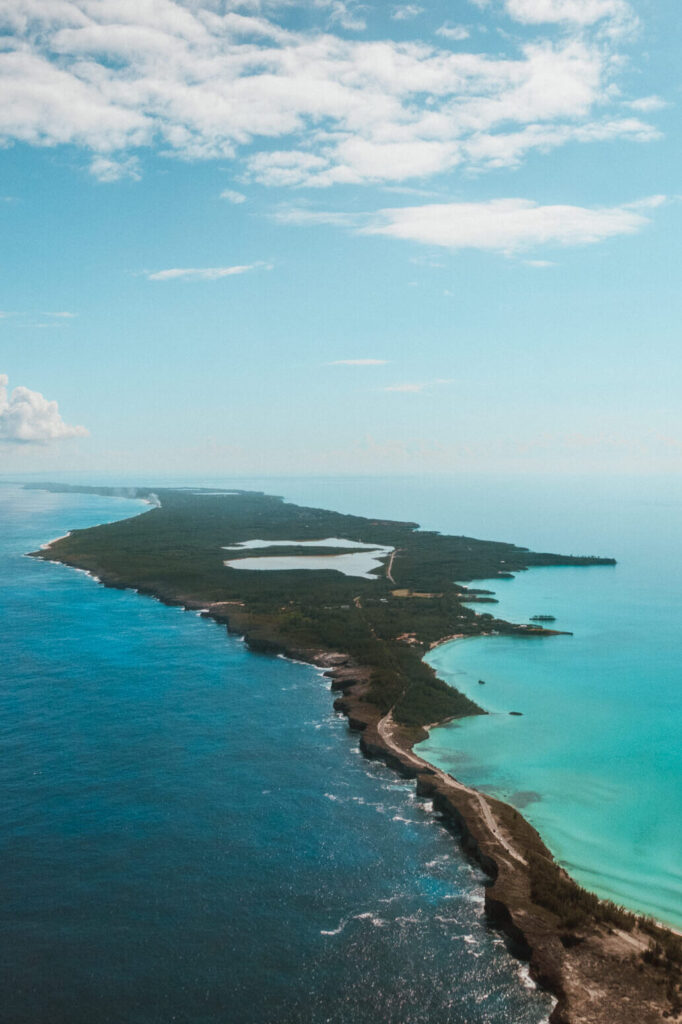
(369, 633)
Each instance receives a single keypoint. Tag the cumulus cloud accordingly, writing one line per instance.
(28, 417)
(359, 362)
(204, 273)
(509, 226)
(302, 108)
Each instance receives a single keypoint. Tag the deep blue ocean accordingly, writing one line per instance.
(187, 830)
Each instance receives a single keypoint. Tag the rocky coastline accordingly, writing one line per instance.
(598, 962)
(590, 970)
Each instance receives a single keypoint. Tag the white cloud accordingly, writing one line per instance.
(414, 389)
(407, 388)
(302, 108)
(406, 11)
(359, 362)
(204, 273)
(107, 169)
(510, 225)
(232, 196)
(60, 316)
(647, 104)
(455, 32)
(540, 264)
(508, 150)
(577, 12)
(345, 14)
(27, 417)
(302, 215)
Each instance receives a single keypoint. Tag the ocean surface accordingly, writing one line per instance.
(188, 832)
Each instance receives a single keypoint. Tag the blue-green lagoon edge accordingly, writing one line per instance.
(593, 758)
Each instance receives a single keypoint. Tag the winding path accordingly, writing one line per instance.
(384, 728)
(389, 567)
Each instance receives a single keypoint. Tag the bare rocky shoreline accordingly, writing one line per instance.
(591, 973)
(597, 974)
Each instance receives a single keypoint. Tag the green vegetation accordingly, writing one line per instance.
(176, 552)
(577, 910)
(574, 906)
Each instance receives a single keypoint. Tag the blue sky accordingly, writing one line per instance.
(339, 237)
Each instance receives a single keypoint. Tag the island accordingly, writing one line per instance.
(365, 599)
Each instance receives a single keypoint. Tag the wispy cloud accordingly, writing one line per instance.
(27, 417)
(509, 226)
(345, 13)
(416, 388)
(458, 33)
(647, 104)
(107, 169)
(232, 196)
(57, 319)
(358, 362)
(405, 12)
(304, 215)
(204, 273)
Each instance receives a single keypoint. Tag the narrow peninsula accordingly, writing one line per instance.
(365, 599)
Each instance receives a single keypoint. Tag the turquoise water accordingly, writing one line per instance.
(596, 760)
(189, 834)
